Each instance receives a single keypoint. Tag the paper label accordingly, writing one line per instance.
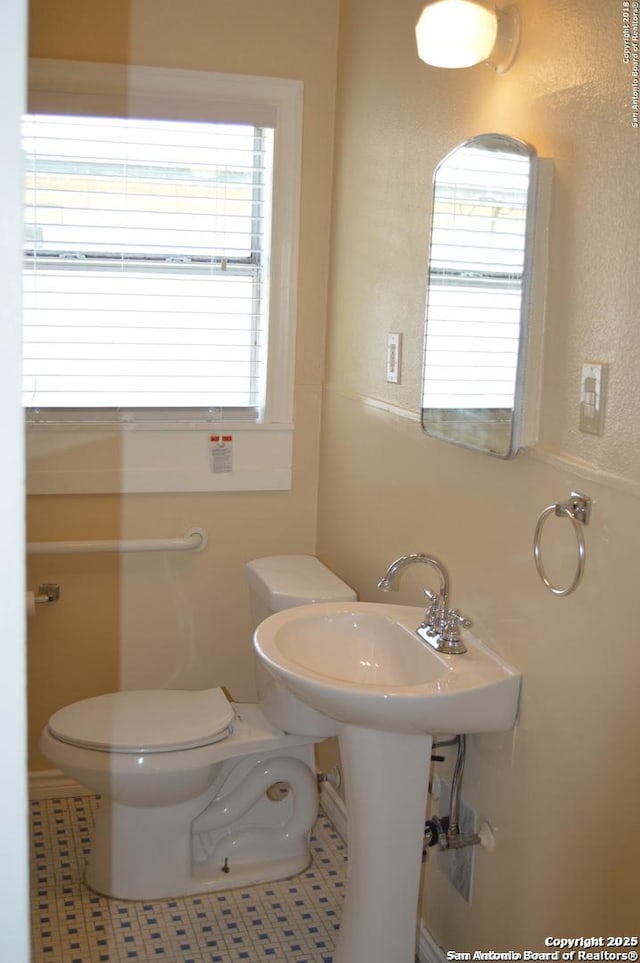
(221, 453)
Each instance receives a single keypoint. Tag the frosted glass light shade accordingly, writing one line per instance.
(456, 33)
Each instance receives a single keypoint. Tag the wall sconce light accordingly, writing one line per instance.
(462, 33)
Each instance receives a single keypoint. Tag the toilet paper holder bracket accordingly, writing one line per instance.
(47, 592)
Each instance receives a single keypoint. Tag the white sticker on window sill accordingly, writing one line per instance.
(221, 454)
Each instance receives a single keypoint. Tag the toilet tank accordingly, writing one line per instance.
(283, 581)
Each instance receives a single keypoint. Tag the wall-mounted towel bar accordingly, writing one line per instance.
(195, 540)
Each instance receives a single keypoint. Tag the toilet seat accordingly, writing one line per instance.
(145, 720)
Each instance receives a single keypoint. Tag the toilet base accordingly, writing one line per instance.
(240, 837)
(143, 873)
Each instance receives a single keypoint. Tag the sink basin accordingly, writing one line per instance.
(361, 663)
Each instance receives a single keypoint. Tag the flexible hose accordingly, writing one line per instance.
(456, 787)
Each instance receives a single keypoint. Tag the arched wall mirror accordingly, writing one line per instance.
(483, 327)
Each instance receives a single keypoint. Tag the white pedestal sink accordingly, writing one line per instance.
(361, 672)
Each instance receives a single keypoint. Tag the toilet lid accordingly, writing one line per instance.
(145, 720)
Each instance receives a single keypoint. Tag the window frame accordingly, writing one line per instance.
(170, 450)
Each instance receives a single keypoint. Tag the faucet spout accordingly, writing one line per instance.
(440, 627)
(387, 579)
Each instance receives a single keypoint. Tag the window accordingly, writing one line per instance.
(160, 275)
(147, 256)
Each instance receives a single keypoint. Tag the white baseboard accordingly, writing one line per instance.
(428, 950)
(333, 805)
(52, 784)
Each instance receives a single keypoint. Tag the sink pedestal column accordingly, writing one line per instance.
(386, 785)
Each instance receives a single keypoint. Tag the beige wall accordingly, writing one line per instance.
(563, 791)
(183, 619)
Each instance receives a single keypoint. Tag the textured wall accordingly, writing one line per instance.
(549, 788)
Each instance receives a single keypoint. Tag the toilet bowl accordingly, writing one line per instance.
(199, 793)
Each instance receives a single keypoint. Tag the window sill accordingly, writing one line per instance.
(96, 459)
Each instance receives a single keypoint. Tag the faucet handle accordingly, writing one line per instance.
(455, 618)
(434, 616)
(453, 622)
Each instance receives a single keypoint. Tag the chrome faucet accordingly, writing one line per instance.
(441, 625)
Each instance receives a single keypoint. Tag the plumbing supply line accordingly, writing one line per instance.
(462, 840)
(445, 833)
(443, 743)
(456, 787)
(195, 540)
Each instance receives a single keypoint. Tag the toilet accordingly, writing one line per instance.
(199, 793)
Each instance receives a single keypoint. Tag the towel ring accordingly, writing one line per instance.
(578, 509)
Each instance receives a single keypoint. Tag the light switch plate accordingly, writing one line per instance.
(394, 357)
(593, 392)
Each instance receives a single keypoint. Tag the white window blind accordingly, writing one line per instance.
(146, 264)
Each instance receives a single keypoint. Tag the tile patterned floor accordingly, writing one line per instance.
(292, 921)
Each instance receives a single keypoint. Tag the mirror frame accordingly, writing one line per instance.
(525, 402)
